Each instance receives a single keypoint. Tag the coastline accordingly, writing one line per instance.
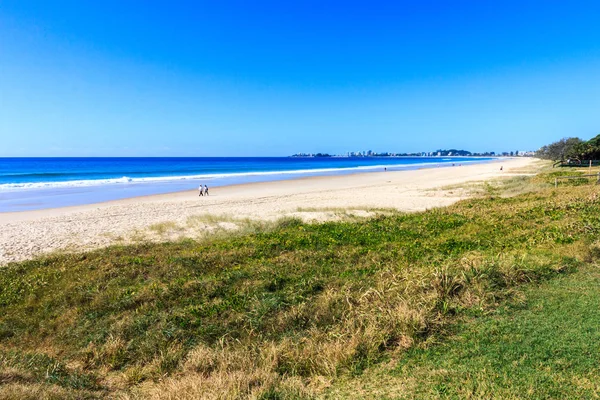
(27, 234)
(122, 181)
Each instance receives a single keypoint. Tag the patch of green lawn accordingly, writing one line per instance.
(547, 347)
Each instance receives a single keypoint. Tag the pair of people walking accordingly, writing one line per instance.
(203, 191)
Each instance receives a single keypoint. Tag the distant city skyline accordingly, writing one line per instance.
(273, 78)
(436, 153)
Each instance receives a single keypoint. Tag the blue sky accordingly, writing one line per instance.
(219, 78)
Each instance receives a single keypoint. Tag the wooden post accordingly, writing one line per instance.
(598, 181)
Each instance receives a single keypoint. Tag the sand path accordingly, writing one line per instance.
(24, 235)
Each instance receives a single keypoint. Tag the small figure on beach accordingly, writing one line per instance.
(200, 190)
(385, 169)
(206, 190)
(501, 168)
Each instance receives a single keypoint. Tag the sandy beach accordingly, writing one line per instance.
(24, 235)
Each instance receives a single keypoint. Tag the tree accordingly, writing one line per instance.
(591, 151)
(595, 141)
(561, 150)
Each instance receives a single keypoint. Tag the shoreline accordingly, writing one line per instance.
(74, 193)
(9, 216)
(163, 217)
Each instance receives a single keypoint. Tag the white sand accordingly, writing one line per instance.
(27, 234)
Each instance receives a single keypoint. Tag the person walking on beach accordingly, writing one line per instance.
(200, 190)
(206, 190)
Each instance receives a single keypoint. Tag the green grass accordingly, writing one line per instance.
(282, 312)
(545, 346)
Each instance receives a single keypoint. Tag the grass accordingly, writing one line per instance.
(164, 227)
(545, 346)
(505, 187)
(354, 214)
(283, 311)
(345, 210)
(202, 227)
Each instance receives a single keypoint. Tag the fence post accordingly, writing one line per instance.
(598, 181)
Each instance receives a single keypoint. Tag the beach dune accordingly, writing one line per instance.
(24, 235)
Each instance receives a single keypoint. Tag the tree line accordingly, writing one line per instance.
(571, 149)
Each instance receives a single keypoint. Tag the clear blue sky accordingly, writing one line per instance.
(219, 78)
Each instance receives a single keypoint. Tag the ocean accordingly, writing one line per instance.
(39, 183)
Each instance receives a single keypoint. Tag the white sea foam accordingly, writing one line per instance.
(206, 177)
